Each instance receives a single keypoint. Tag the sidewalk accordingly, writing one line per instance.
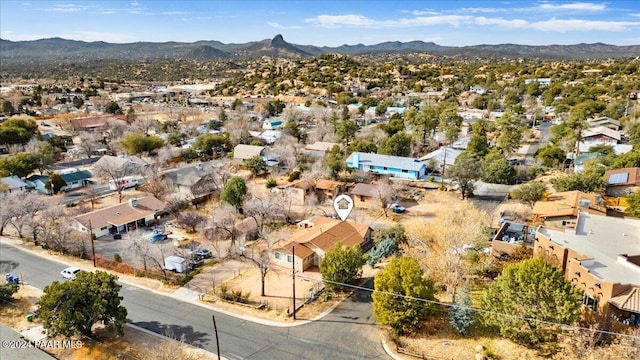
(182, 294)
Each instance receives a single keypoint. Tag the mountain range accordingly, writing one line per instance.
(57, 50)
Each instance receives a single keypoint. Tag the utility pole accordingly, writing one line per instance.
(293, 267)
(93, 247)
(215, 329)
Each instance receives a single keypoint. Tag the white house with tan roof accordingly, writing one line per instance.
(120, 218)
(318, 236)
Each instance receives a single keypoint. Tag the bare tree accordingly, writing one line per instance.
(115, 172)
(89, 143)
(139, 246)
(287, 148)
(263, 209)
(385, 195)
(34, 211)
(156, 258)
(28, 206)
(10, 206)
(92, 193)
(116, 129)
(224, 219)
(144, 124)
(190, 219)
(57, 231)
(264, 263)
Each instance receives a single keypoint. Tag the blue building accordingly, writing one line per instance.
(73, 178)
(397, 166)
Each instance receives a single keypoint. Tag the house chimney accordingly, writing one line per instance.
(133, 202)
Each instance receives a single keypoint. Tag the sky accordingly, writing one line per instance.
(326, 23)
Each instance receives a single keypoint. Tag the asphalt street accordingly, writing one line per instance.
(349, 332)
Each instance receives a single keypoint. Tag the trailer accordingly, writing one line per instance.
(175, 263)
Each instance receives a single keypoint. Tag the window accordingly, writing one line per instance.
(384, 168)
(289, 258)
(405, 171)
(590, 302)
(279, 256)
(103, 228)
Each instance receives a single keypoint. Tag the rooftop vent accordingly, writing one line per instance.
(133, 202)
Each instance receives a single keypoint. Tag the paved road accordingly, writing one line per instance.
(545, 134)
(22, 351)
(347, 333)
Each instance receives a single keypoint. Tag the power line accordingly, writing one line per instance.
(435, 302)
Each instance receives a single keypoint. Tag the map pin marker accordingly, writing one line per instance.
(343, 204)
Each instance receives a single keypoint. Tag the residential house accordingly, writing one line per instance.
(622, 182)
(329, 189)
(319, 148)
(509, 237)
(195, 181)
(480, 90)
(601, 134)
(600, 256)
(128, 165)
(96, 123)
(604, 121)
(14, 183)
(299, 190)
(397, 166)
(73, 178)
(121, 218)
(243, 152)
(272, 124)
(364, 195)
(316, 237)
(561, 210)
(541, 81)
(582, 159)
(442, 158)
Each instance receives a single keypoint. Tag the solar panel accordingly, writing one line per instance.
(618, 178)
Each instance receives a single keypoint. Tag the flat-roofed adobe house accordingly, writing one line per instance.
(397, 166)
(622, 182)
(317, 236)
(560, 210)
(120, 218)
(243, 152)
(601, 257)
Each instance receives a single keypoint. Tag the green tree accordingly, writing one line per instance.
(6, 293)
(530, 193)
(137, 143)
(524, 295)
(362, 146)
(394, 126)
(395, 233)
(626, 160)
(461, 313)
(20, 164)
(223, 116)
(509, 133)
(6, 108)
(634, 204)
(346, 131)
(450, 121)
(422, 123)
(497, 170)
(342, 265)
(397, 145)
(17, 130)
(233, 192)
(74, 306)
(131, 115)
(464, 172)
(334, 161)
(586, 182)
(577, 121)
(551, 155)
(205, 143)
(55, 183)
(256, 165)
(478, 145)
(400, 294)
(113, 108)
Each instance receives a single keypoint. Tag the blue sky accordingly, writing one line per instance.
(330, 23)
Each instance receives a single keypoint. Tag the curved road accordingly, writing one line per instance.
(349, 332)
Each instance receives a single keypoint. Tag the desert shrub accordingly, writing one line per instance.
(7, 291)
(294, 176)
(271, 183)
(117, 258)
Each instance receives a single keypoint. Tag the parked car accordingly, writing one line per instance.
(157, 236)
(202, 253)
(397, 208)
(70, 273)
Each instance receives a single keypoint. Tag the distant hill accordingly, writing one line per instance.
(57, 50)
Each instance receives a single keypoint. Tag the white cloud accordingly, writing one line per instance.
(135, 3)
(560, 25)
(580, 6)
(352, 20)
(276, 25)
(513, 23)
(482, 10)
(16, 36)
(65, 8)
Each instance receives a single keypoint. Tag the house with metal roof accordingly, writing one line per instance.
(396, 166)
(14, 183)
(73, 178)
